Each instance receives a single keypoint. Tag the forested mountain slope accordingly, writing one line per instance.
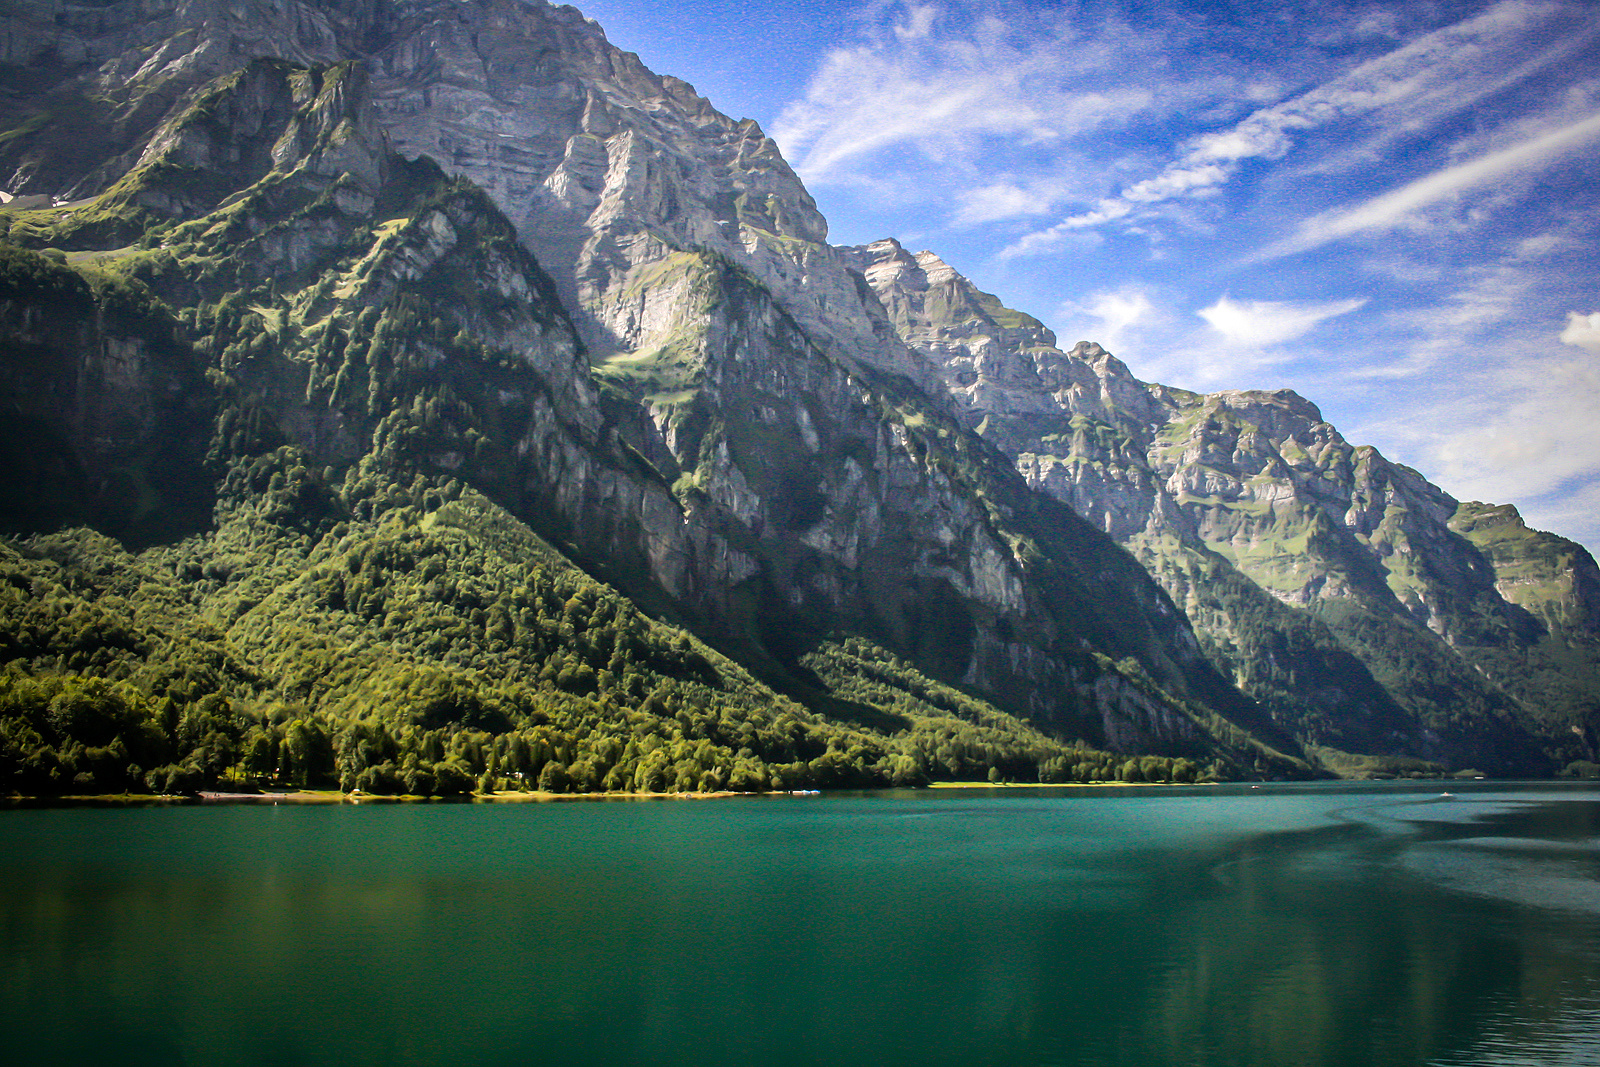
(466, 401)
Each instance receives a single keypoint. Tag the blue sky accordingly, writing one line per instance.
(1393, 209)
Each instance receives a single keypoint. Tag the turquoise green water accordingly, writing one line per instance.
(1281, 925)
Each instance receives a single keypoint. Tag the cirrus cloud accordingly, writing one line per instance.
(988, 96)
(924, 84)
(1413, 88)
(1261, 323)
(1395, 208)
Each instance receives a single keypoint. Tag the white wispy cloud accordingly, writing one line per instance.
(1526, 433)
(1402, 93)
(1262, 323)
(1004, 200)
(1235, 344)
(1396, 208)
(1489, 396)
(969, 84)
(918, 22)
(1435, 316)
(920, 86)
(1513, 63)
(1115, 319)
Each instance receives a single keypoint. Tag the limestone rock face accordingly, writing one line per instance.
(608, 170)
(1553, 578)
(474, 237)
(605, 168)
(107, 411)
(1230, 468)
(614, 312)
(987, 366)
(1250, 489)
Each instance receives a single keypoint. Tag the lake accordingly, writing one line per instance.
(1335, 923)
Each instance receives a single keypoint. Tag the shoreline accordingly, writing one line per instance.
(1064, 785)
(508, 796)
(334, 796)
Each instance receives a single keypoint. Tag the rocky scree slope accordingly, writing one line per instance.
(1375, 615)
(378, 334)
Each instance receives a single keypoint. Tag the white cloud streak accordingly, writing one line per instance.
(1004, 200)
(1115, 318)
(1410, 89)
(953, 82)
(1526, 433)
(1396, 208)
(1262, 323)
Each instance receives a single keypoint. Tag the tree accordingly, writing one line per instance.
(452, 778)
(307, 754)
(553, 778)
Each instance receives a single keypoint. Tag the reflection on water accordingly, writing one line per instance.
(1296, 925)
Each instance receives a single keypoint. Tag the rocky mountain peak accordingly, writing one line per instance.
(1281, 412)
(606, 168)
(934, 269)
(1245, 486)
(395, 252)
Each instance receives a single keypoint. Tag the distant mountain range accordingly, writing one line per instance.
(424, 395)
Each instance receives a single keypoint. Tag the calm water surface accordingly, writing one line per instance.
(1342, 924)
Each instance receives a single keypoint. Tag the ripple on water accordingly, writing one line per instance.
(1528, 872)
(1571, 1040)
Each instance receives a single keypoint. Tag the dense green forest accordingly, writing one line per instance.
(369, 613)
(435, 648)
(284, 441)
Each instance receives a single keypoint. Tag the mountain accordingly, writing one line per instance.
(453, 399)
(1366, 606)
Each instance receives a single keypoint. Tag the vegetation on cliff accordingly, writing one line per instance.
(435, 647)
(309, 479)
(360, 360)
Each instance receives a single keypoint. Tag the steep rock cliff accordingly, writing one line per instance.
(605, 168)
(425, 242)
(107, 412)
(750, 457)
(1393, 615)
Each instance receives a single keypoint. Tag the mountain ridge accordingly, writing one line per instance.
(1232, 478)
(651, 357)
